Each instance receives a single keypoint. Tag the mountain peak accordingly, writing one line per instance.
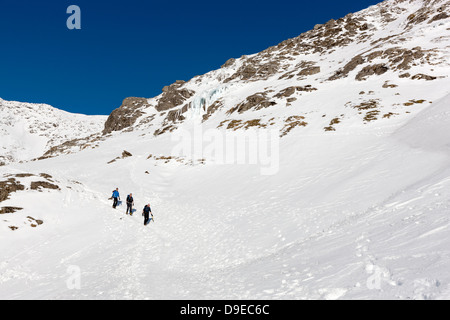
(400, 44)
(28, 130)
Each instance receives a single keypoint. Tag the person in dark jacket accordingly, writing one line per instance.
(116, 197)
(146, 213)
(130, 204)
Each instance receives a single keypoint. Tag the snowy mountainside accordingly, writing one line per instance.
(356, 208)
(366, 217)
(29, 130)
(383, 63)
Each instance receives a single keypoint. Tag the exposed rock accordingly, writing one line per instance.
(285, 92)
(6, 210)
(412, 102)
(389, 85)
(287, 75)
(244, 73)
(405, 56)
(374, 55)
(212, 108)
(350, 66)
(72, 145)
(174, 116)
(46, 176)
(8, 187)
(228, 63)
(37, 185)
(167, 128)
(268, 69)
(126, 154)
(59, 149)
(330, 24)
(332, 123)
(366, 105)
(51, 125)
(418, 17)
(309, 71)
(289, 101)
(389, 115)
(421, 76)
(370, 109)
(292, 122)
(253, 69)
(39, 222)
(256, 101)
(364, 27)
(291, 90)
(253, 123)
(371, 115)
(240, 124)
(399, 59)
(173, 96)
(439, 16)
(367, 71)
(23, 175)
(126, 115)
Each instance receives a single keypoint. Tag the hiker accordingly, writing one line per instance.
(130, 204)
(116, 197)
(146, 213)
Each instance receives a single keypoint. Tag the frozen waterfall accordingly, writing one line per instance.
(202, 101)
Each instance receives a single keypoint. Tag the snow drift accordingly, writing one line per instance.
(358, 207)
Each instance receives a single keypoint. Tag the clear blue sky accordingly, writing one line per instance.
(135, 47)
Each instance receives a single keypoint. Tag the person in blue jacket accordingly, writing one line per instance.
(116, 197)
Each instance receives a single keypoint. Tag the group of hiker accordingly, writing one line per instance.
(146, 212)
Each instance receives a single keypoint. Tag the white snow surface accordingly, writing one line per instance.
(362, 212)
(347, 216)
(28, 130)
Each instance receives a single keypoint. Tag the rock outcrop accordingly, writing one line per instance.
(126, 115)
(173, 96)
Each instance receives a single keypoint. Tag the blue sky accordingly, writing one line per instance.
(135, 47)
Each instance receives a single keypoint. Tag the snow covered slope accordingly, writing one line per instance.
(347, 216)
(355, 204)
(29, 130)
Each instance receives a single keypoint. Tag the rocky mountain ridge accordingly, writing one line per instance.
(28, 130)
(389, 42)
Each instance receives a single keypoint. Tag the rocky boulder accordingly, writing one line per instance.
(8, 187)
(254, 102)
(126, 115)
(173, 96)
(368, 71)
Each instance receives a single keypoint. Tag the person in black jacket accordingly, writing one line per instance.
(146, 213)
(130, 204)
